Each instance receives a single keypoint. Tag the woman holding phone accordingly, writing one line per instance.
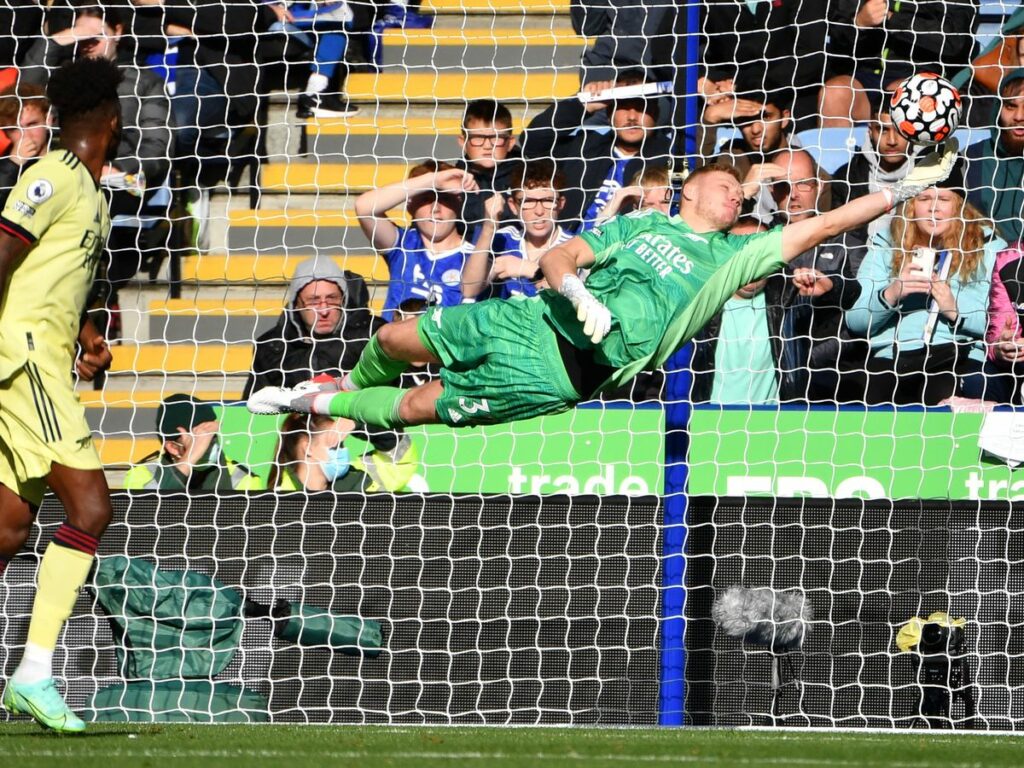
(924, 300)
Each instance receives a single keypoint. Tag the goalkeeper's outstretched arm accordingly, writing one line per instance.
(803, 235)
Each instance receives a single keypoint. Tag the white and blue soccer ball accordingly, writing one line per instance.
(925, 108)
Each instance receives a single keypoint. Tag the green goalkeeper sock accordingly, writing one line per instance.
(376, 405)
(375, 367)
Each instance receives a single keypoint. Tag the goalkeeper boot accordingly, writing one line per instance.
(42, 702)
(298, 399)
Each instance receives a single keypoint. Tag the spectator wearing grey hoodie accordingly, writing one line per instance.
(325, 324)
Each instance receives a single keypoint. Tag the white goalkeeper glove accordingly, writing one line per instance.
(934, 169)
(595, 316)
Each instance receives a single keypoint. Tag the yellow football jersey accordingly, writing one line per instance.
(59, 209)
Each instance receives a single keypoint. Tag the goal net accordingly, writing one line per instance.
(293, 175)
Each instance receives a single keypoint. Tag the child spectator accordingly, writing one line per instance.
(650, 188)
(489, 154)
(508, 258)
(432, 251)
(926, 324)
(24, 120)
(597, 163)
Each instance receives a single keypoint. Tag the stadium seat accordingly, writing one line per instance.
(832, 148)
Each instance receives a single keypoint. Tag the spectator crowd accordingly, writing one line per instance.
(922, 307)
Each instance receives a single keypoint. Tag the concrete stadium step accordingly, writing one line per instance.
(121, 452)
(212, 321)
(123, 414)
(270, 268)
(482, 48)
(401, 139)
(299, 233)
(180, 359)
(174, 382)
(224, 321)
(300, 176)
(407, 87)
(518, 7)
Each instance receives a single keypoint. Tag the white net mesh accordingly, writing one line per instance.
(292, 176)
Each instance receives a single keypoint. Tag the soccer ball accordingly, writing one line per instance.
(925, 109)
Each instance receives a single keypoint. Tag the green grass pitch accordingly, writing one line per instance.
(183, 746)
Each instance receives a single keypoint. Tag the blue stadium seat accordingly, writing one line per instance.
(832, 148)
(969, 136)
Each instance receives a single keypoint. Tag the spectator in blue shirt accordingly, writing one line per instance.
(433, 251)
(507, 258)
(924, 301)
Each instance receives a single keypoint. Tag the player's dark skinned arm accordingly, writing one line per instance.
(95, 354)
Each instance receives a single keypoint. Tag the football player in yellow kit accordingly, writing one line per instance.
(52, 232)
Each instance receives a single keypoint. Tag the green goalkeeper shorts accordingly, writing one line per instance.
(500, 362)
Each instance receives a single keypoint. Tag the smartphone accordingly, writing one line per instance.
(924, 258)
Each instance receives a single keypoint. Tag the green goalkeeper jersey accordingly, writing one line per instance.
(662, 282)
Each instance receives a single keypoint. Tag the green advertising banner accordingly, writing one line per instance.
(929, 454)
(587, 450)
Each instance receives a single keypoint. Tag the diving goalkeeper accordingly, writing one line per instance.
(655, 281)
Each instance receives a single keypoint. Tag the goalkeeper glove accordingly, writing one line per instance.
(934, 169)
(595, 316)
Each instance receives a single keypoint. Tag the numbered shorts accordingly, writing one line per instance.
(41, 423)
(500, 362)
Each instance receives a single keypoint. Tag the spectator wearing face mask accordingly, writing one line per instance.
(191, 458)
(312, 456)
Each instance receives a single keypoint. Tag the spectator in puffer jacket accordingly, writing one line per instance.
(1005, 340)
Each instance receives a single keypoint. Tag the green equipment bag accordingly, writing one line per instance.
(177, 701)
(168, 624)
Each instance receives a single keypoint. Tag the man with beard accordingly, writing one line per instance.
(599, 162)
(654, 282)
(52, 230)
(995, 168)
